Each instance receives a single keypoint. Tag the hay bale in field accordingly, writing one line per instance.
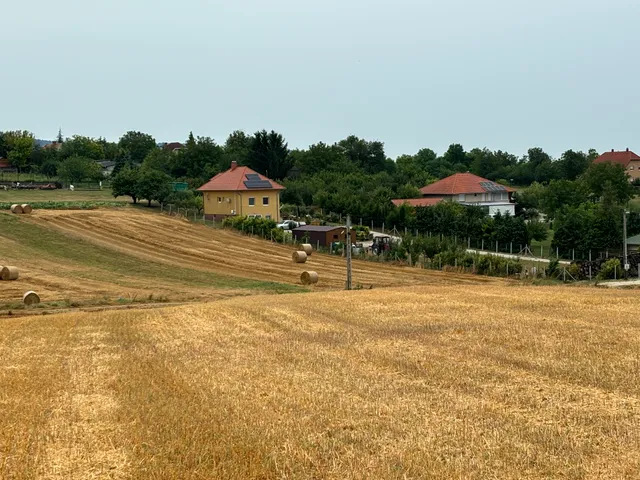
(308, 248)
(299, 257)
(15, 208)
(31, 298)
(26, 208)
(309, 278)
(9, 273)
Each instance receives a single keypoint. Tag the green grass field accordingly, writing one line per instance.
(33, 196)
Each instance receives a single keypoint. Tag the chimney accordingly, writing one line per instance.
(234, 165)
(612, 150)
(627, 149)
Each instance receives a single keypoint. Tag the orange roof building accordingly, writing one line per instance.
(629, 160)
(241, 191)
(468, 189)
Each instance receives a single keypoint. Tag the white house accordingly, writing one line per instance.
(468, 189)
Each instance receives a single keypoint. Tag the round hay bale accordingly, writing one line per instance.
(308, 248)
(31, 298)
(15, 208)
(9, 273)
(309, 278)
(26, 208)
(299, 257)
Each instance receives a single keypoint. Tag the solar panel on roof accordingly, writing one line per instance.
(253, 180)
(492, 187)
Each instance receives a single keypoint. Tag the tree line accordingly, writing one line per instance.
(354, 176)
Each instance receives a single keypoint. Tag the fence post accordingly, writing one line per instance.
(482, 246)
(573, 254)
(511, 249)
(496, 247)
(317, 245)
(170, 209)
(469, 243)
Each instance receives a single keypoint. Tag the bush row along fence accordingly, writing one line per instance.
(524, 263)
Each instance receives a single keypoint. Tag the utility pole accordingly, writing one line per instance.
(624, 233)
(348, 247)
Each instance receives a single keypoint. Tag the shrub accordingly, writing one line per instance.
(609, 268)
(258, 226)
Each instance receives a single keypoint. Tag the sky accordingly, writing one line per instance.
(501, 74)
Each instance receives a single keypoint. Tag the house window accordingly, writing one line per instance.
(631, 167)
(252, 201)
(265, 201)
(335, 236)
(268, 217)
(219, 199)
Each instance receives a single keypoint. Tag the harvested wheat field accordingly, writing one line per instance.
(464, 382)
(133, 256)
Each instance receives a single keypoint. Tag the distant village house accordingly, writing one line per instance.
(241, 191)
(467, 189)
(629, 160)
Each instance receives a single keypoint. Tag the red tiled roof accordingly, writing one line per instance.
(233, 180)
(173, 146)
(621, 158)
(418, 202)
(462, 183)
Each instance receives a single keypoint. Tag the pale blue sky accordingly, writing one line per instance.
(505, 74)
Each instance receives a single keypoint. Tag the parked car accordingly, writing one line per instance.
(290, 224)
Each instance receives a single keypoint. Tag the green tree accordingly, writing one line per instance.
(199, 160)
(18, 146)
(560, 194)
(368, 156)
(154, 185)
(456, 157)
(4, 146)
(125, 183)
(76, 169)
(572, 164)
(21, 150)
(80, 146)
(269, 155)
(137, 145)
(159, 159)
(409, 191)
(111, 150)
(236, 149)
(601, 174)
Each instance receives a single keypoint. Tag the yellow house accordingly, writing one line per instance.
(243, 192)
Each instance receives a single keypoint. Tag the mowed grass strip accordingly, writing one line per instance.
(61, 195)
(425, 382)
(94, 262)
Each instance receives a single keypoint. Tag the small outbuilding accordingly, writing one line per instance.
(323, 235)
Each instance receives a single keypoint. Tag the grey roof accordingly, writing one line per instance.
(318, 228)
(633, 240)
(107, 163)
